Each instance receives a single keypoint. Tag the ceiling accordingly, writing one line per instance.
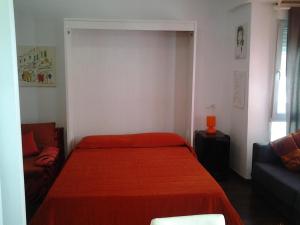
(94, 8)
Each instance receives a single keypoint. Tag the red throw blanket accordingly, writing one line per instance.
(131, 186)
(47, 156)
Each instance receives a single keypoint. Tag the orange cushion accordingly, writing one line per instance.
(44, 133)
(292, 160)
(284, 145)
(132, 140)
(28, 145)
(288, 151)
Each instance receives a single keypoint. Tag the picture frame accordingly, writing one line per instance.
(36, 66)
(241, 41)
(239, 89)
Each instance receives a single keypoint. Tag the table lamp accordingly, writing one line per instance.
(211, 124)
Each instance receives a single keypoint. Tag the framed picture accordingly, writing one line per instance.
(36, 66)
(239, 89)
(241, 42)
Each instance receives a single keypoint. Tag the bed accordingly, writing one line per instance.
(129, 180)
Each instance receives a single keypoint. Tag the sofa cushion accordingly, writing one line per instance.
(284, 145)
(47, 157)
(292, 160)
(282, 183)
(28, 145)
(297, 202)
(30, 169)
(296, 211)
(288, 151)
(44, 133)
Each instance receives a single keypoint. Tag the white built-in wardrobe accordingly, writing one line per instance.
(129, 77)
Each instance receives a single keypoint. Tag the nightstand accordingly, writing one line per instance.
(213, 152)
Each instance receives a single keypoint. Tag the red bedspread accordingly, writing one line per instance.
(131, 186)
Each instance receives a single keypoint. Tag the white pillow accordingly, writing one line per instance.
(206, 219)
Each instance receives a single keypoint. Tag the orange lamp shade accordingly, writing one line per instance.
(211, 124)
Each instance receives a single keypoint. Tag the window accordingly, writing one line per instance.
(278, 126)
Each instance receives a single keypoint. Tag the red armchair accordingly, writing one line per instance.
(39, 178)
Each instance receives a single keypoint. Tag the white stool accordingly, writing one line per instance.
(207, 219)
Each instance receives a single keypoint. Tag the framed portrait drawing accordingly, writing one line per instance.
(241, 42)
(36, 66)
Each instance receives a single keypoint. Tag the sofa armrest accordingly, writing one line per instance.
(263, 153)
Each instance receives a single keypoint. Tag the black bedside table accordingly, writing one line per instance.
(213, 152)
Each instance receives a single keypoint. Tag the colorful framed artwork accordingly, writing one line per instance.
(36, 66)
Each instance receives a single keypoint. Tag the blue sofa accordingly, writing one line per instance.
(274, 182)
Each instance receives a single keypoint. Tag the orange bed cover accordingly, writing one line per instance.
(131, 186)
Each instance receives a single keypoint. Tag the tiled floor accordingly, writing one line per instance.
(251, 207)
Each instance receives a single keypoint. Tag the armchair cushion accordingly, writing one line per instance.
(30, 169)
(28, 145)
(47, 157)
(40, 172)
(44, 133)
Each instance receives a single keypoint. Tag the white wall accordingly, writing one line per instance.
(262, 58)
(1, 208)
(210, 50)
(251, 124)
(12, 199)
(214, 66)
(40, 104)
(239, 117)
